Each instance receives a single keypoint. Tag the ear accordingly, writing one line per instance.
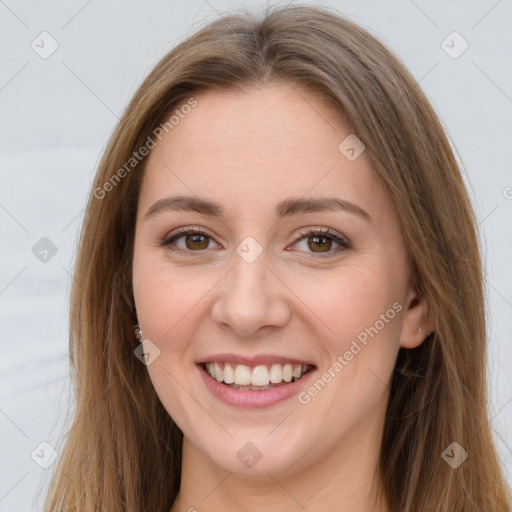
(418, 321)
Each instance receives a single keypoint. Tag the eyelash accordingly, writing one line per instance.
(324, 233)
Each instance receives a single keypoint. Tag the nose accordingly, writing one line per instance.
(252, 299)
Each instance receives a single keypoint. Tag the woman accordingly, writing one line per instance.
(278, 299)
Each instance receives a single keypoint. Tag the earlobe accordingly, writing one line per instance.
(418, 321)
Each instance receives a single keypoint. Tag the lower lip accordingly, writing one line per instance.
(253, 399)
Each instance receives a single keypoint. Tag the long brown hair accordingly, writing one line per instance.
(123, 451)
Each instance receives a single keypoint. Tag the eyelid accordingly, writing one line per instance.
(338, 238)
(341, 239)
(177, 233)
(343, 242)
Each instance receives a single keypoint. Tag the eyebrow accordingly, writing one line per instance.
(288, 207)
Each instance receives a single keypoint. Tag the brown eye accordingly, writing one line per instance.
(196, 241)
(323, 243)
(320, 242)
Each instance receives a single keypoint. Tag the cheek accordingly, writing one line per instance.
(165, 303)
(357, 315)
(347, 301)
(351, 387)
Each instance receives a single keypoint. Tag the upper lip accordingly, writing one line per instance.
(253, 360)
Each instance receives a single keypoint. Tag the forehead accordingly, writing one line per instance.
(256, 147)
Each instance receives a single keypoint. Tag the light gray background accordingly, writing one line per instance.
(57, 114)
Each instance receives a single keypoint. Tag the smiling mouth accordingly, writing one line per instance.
(256, 378)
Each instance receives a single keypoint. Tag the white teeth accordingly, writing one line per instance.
(242, 375)
(297, 371)
(219, 374)
(229, 374)
(287, 372)
(259, 376)
(276, 373)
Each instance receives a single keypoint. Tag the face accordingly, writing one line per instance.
(296, 308)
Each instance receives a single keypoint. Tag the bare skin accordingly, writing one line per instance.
(303, 297)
